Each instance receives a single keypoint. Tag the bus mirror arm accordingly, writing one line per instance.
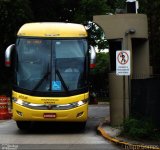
(92, 57)
(8, 55)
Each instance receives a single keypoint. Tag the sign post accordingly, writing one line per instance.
(123, 69)
(123, 63)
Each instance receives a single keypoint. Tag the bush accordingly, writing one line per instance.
(138, 129)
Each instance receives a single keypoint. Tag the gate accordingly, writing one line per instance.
(145, 98)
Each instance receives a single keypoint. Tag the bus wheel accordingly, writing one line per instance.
(23, 125)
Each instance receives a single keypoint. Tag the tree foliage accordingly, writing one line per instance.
(114, 4)
(102, 63)
(98, 76)
(152, 9)
(88, 8)
(13, 13)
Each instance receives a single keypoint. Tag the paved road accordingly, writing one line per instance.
(57, 136)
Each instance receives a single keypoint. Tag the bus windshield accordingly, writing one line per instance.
(57, 65)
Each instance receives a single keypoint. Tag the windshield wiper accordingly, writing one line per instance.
(42, 80)
(63, 83)
(46, 75)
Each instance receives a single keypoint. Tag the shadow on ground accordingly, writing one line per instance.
(53, 128)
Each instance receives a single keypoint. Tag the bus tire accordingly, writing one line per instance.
(23, 125)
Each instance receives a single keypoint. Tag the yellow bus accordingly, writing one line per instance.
(51, 64)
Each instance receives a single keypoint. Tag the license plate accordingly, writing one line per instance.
(49, 115)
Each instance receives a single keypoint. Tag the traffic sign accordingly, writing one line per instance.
(123, 63)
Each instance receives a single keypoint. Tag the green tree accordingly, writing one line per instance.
(114, 4)
(102, 63)
(99, 75)
(84, 14)
(13, 13)
(96, 36)
(88, 8)
(50, 10)
(152, 9)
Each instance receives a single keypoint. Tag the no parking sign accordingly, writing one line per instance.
(123, 63)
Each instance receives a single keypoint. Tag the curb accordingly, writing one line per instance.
(123, 144)
(103, 103)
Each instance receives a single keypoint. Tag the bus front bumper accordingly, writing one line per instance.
(78, 114)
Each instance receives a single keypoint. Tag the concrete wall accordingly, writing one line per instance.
(132, 29)
(140, 58)
(115, 26)
(117, 98)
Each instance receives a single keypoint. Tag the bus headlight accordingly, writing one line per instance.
(79, 103)
(20, 102)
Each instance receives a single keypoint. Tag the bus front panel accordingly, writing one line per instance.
(30, 108)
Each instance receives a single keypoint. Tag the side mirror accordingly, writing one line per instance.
(8, 55)
(92, 57)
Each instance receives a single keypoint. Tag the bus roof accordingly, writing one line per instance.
(51, 29)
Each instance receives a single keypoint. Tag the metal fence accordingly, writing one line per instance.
(102, 95)
(145, 98)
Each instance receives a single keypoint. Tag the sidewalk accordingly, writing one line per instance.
(113, 134)
(4, 120)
